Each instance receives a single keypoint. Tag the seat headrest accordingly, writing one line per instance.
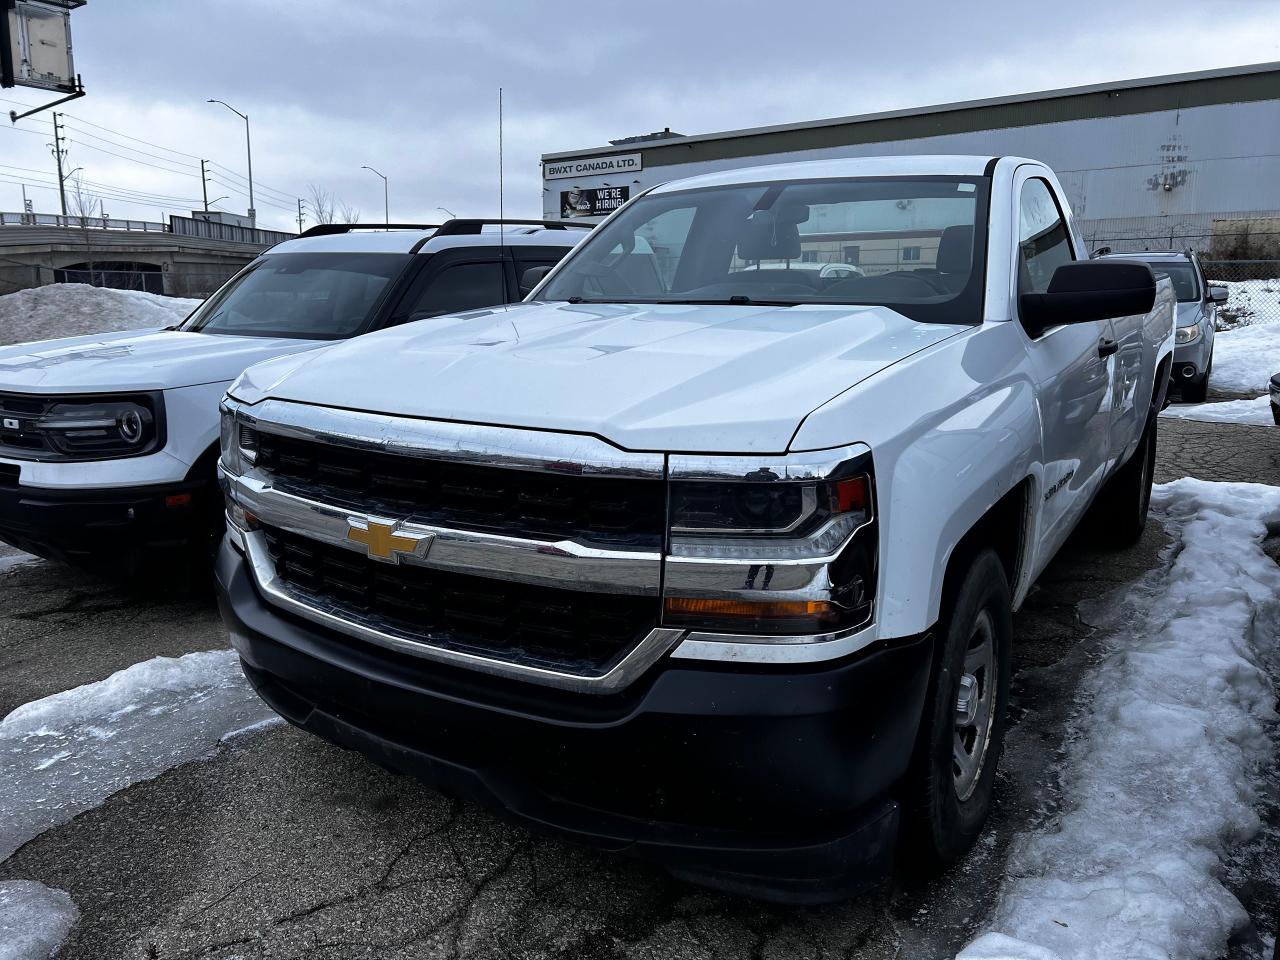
(955, 249)
(767, 237)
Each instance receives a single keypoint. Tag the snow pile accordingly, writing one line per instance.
(1245, 358)
(1249, 301)
(34, 920)
(1257, 410)
(1162, 776)
(75, 309)
(70, 751)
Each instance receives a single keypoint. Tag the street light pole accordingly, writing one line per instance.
(386, 195)
(248, 149)
(452, 215)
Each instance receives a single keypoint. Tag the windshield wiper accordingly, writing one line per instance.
(734, 301)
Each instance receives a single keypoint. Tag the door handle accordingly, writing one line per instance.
(1107, 346)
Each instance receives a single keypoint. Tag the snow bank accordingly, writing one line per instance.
(75, 309)
(1257, 410)
(34, 920)
(1160, 778)
(1245, 358)
(68, 752)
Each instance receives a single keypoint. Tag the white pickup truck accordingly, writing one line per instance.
(695, 555)
(109, 442)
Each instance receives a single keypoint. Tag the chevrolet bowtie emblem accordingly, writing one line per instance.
(382, 541)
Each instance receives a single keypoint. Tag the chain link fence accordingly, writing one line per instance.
(1254, 287)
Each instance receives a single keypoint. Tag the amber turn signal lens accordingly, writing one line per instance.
(852, 494)
(769, 609)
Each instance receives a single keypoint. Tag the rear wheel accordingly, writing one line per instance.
(952, 776)
(1119, 515)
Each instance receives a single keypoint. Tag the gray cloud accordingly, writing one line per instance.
(411, 88)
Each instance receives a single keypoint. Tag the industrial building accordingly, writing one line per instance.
(1160, 163)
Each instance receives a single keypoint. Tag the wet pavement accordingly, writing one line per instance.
(282, 846)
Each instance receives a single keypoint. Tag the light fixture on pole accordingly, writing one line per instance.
(452, 215)
(386, 201)
(248, 149)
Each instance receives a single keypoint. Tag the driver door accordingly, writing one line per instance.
(1073, 364)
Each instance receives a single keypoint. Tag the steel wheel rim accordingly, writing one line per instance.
(974, 708)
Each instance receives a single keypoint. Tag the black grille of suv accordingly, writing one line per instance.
(580, 633)
(17, 413)
(605, 510)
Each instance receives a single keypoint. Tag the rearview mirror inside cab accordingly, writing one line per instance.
(531, 278)
(1088, 290)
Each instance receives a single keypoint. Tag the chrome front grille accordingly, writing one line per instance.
(540, 505)
(531, 555)
(586, 634)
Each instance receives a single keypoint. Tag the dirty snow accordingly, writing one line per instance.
(1162, 775)
(34, 920)
(1249, 301)
(75, 309)
(70, 751)
(1246, 350)
(1257, 410)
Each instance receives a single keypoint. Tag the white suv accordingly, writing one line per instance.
(109, 443)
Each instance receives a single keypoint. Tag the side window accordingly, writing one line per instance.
(1043, 245)
(461, 287)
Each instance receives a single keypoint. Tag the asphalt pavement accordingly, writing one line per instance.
(281, 846)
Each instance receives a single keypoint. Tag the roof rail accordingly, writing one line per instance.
(329, 229)
(458, 227)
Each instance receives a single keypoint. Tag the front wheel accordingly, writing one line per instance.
(949, 786)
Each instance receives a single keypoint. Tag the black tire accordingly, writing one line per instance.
(944, 806)
(1119, 515)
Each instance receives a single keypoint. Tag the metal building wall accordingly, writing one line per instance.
(1153, 180)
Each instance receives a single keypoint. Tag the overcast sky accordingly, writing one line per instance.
(411, 88)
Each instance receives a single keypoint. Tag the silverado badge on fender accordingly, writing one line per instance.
(382, 541)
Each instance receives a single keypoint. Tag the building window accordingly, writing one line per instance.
(809, 256)
(853, 255)
(910, 253)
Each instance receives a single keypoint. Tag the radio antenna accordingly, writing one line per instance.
(502, 227)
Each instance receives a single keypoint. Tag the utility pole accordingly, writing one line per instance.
(204, 185)
(58, 155)
(301, 214)
(248, 149)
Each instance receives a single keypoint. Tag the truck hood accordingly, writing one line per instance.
(646, 377)
(133, 360)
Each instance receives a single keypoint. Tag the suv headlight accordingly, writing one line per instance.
(89, 428)
(771, 545)
(1186, 334)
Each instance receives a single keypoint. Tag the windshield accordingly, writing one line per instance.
(1183, 276)
(308, 296)
(905, 243)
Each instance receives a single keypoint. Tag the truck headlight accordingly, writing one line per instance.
(97, 428)
(1186, 334)
(238, 442)
(781, 547)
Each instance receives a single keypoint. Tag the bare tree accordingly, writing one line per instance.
(82, 202)
(322, 207)
(347, 213)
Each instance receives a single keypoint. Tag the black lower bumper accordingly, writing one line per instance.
(774, 782)
(107, 528)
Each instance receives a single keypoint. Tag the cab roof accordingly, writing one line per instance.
(905, 166)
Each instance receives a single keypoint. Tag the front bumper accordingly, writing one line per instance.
(1191, 360)
(114, 528)
(775, 782)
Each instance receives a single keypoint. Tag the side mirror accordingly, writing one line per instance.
(1218, 293)
(531, 278)
(1090, 290)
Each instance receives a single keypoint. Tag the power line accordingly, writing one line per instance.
(126, 136)
(97, 185)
